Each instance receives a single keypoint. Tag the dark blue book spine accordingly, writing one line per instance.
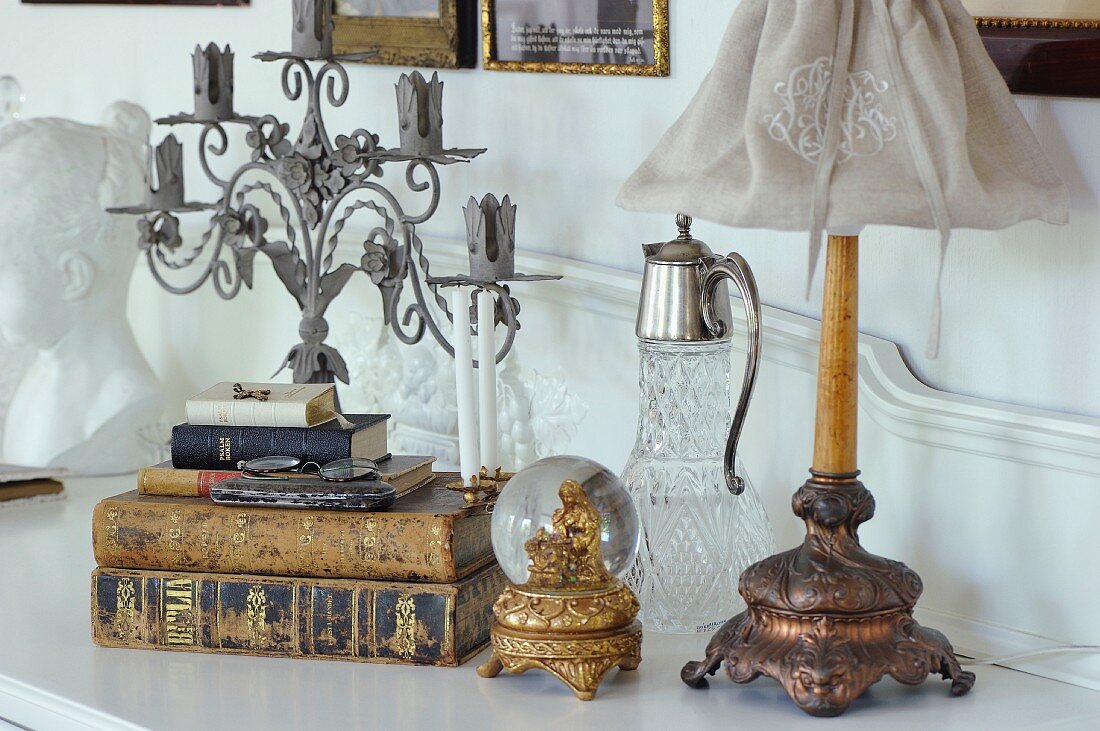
(222, 447)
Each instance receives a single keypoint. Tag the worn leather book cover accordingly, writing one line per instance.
(205, 447)
(366, 621)
(428, 535)
(401, 471)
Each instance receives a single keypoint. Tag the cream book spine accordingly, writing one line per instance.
(287, 405)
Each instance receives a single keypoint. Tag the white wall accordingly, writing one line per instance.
(1021, 312)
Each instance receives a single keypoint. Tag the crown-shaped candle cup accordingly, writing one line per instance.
(491, 238)
(213, 83)
(420, 114)
(312, 34)
(165, 193)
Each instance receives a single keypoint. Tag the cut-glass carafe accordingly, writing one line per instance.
(702, 521)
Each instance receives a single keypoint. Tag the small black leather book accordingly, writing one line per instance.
(197, 447)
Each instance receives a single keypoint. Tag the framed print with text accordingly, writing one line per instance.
(436, 33)
(1045, 47)
(614, 37)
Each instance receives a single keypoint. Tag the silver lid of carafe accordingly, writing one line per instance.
(672, 302)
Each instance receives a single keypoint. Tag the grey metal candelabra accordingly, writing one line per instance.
(319, 184)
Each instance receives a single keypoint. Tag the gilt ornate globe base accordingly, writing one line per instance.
(828, 619)
(577, 638)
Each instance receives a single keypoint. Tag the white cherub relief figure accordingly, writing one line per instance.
(65, 267)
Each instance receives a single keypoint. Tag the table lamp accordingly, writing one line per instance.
(921, 132)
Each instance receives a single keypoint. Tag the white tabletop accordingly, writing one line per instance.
(53, 677)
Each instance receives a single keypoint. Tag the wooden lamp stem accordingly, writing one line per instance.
(838, 368)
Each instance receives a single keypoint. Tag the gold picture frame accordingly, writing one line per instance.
(987, 21)
(661, 65)
(1035, 14)
(448, 41)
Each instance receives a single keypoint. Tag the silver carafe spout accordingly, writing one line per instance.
(685, 299)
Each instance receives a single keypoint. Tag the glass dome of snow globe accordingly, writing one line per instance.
(529, 500)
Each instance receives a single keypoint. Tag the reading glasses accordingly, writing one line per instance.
(341, 470)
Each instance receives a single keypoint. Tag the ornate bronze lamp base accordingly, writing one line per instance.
(828, 620)
(577, 638)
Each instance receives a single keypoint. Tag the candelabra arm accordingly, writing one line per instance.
(414, 186)
(301, 71)
(284, 212)
(160, 233)
(420, 310)
(225, 284)
(337, 204)
(168, 286)
(335, 96)
(218, 148)
(413, 311)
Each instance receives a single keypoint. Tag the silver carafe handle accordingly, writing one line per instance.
(735, 268)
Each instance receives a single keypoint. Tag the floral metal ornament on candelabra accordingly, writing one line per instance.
(320, 183)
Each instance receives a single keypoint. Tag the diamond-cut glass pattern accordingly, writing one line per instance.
(697, 538)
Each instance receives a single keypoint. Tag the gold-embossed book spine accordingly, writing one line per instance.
(366, 621)
(192, 534)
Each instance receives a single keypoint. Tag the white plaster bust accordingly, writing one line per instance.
(65, 268)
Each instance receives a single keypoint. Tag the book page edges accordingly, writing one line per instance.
(371, 442)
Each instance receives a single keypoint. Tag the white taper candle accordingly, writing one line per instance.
(464, 387)
(487, 379)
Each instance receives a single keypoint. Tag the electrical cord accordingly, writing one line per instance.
(1057, 650)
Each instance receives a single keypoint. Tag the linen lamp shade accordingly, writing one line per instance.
(922, 131)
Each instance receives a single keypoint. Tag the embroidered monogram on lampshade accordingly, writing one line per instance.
(926, 133)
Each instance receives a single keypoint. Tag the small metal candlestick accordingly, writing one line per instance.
(164, 195)
(420, 123)
(491, 238)
(213, 83)
(420, 114)
(321, 182)
(484, 493)
(166, 190)
(312, 35)
(493, 270)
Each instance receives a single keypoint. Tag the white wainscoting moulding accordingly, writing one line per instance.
(889, 392)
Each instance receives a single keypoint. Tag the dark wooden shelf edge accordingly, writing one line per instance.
(1062, 62)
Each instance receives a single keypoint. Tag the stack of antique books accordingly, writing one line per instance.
(411, 584)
